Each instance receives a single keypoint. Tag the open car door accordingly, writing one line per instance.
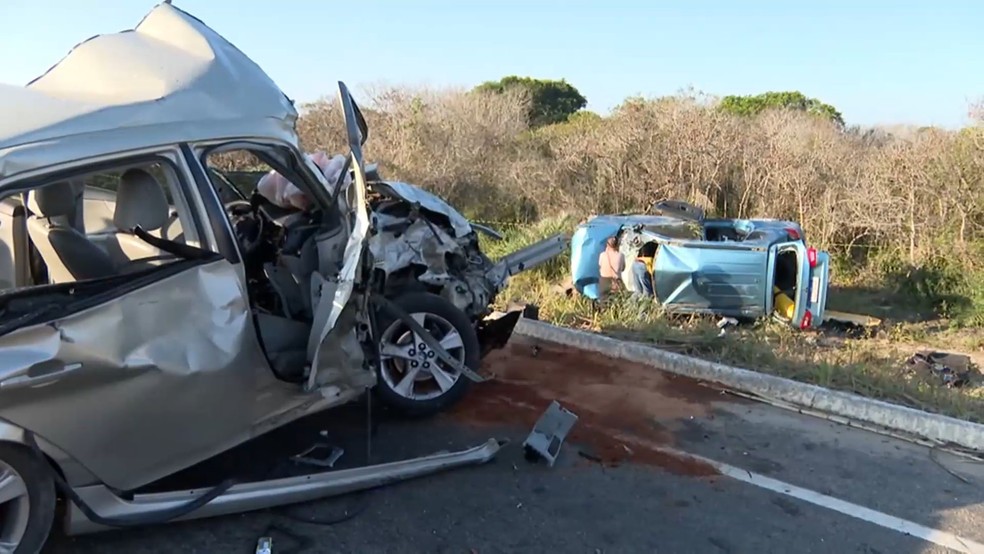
(724, 278)
(802, 274)
(333, 294)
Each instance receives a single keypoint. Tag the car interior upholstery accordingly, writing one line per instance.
(140, 202)
(82, 232)
(68, 253)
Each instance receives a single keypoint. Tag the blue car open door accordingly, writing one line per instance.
(698, 276)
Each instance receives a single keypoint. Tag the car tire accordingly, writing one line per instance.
(447, 324)
(17, 462)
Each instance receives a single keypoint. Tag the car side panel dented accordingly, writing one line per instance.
(144, 355)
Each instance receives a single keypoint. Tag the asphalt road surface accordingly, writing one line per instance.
(766, 480)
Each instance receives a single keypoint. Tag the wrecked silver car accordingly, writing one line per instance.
(147, 324)
(421, 248)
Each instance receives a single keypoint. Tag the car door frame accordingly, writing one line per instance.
(335, 297)
(819, 287)
(750, 310)
(313, 182)
(803, 278)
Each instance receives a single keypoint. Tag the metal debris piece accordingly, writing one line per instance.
(952, 370)
(548, 434)
(495, 330)
(860, 320)
(316, 455)
(264, 545)
(588, 455)
(724, 322)
(529, 311)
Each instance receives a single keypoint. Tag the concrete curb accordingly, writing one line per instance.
(924, 425)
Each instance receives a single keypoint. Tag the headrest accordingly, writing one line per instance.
(53, 200)
(140, 201)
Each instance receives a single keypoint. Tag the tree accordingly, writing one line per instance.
(584, 117)
(550, 101)
(755, 104)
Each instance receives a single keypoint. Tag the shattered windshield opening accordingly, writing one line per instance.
(679, 230)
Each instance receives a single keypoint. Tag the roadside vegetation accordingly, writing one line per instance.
(900, 210)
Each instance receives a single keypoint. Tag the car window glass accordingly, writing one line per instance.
(81, 227)
(235, 173)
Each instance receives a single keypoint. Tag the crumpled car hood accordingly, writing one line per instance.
(416, 195)
(440, 252)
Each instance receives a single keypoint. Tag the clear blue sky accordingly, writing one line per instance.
(878, 61)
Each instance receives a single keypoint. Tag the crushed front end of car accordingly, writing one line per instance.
(423, 244)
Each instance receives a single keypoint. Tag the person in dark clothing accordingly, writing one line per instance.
(642, 270)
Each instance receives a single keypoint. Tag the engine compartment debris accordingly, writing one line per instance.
(424, 242)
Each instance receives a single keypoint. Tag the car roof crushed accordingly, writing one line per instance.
(171, 79)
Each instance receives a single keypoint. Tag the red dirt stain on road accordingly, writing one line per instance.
(619, 404)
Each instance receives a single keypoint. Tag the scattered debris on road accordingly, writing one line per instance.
(320, 454)
(619, 404)
(264, 545)
(548, 434)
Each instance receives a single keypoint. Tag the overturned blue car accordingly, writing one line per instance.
(742, 268)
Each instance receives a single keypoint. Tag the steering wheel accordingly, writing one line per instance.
(249, 224)
(238, 208)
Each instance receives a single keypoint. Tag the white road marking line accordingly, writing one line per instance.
(942, 538)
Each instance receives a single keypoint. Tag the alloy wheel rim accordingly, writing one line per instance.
(15, 508)
(410, 367)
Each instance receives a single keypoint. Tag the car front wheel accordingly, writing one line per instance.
(412, 378)
(27, 501)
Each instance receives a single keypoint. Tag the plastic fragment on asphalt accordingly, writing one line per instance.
(321, 454)
(264, 545)
(548, 433)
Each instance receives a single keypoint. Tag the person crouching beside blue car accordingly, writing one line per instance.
(642, 271)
